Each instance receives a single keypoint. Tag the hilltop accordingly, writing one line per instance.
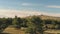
(45, 17)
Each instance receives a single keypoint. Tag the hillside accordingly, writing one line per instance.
(46, 17)
(49, 17)
(31, 24)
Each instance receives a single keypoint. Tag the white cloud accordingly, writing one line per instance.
(52, 6)
(19, 13)
(22, 13)
(30, 4)
(27, 4)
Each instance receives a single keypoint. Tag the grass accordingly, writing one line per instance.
(13, 31)
(53, 31)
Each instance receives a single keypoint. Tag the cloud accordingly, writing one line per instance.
(23, 13)
(25, 4)
(19, 13)
(30, 4)
(51, 6)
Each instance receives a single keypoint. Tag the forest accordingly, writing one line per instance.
(33, 24)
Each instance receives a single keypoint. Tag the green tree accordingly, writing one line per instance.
(31, 27)
(15, 22)
(39, 24)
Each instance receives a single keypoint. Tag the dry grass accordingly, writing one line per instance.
(13, 31)
(52, 31)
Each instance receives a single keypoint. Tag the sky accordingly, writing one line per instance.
(23, 8)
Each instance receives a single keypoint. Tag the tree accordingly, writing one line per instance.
(38, 22)
(35, 25)
(24, 22)
(15, 22)
(31, 27)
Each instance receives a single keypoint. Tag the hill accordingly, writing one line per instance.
(45, 17)
(33, 24)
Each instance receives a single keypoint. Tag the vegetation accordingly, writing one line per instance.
(33, 24)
